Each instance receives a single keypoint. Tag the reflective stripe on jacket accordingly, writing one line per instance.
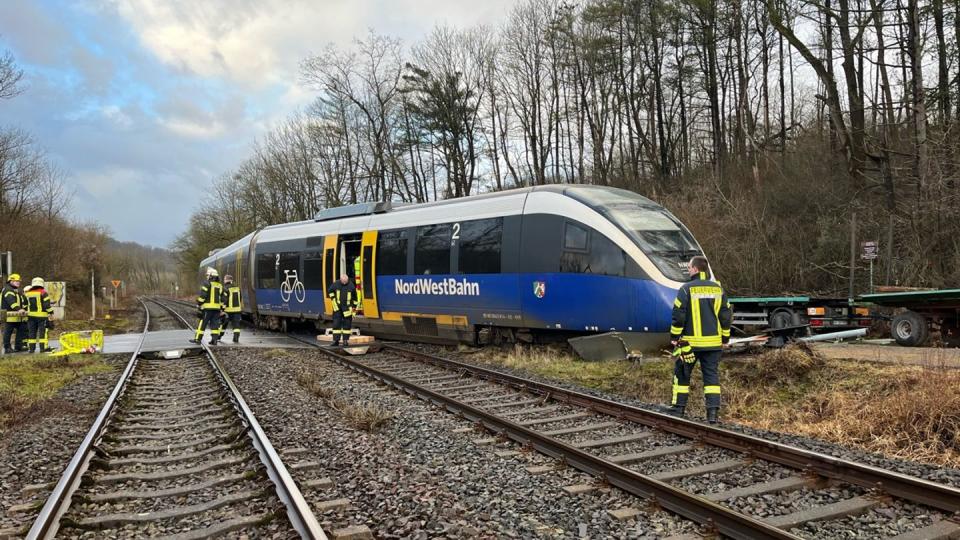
(701, 314)
(38, 303)
(211, 295)
(13, 301)
(233, 304)
(342, 296)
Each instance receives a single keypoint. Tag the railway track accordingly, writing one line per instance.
(770, 490)
(677, 463)
(175, 452)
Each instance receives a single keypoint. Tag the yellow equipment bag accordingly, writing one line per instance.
(84, 342)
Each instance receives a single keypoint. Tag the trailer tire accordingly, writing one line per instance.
(782, 318)
(909, 329)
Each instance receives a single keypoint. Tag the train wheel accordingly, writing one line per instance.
(909, 329)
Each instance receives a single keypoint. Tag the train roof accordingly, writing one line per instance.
(371, 208)
(384, 214)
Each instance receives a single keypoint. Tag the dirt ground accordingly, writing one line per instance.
(932, 357)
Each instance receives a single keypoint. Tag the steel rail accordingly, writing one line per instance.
(726, 521)
(902, 486)
(298, 510)
(910, 488)
(48, 521)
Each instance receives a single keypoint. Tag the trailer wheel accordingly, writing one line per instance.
(782, 318)
(909, 329)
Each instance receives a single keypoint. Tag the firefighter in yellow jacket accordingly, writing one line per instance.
(342, 294)
(210, 303)
(232, 307)
(14, 304)
(700, 328)
(38, 314)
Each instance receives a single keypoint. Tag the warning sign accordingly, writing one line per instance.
(116, 283)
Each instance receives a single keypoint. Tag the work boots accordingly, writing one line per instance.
(712, 413)
(236, 338)
(676, 410)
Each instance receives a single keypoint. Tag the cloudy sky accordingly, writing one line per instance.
(143, 102)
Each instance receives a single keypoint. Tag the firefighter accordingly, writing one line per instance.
(15, 304)
(209, 305)
(232, 307)
(359, 283)
(701, 326)
(342, 294)
(38, 314)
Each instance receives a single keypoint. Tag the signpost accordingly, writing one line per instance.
(869, 251)
(113, 297)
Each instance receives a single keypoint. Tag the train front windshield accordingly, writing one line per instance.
(660, 235)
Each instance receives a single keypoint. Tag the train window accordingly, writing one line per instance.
(288, 266)
(576, 262)
(575, 237)
(367, 271)
(267, 271)
(312, 277)
(330, 257)
(392, 253)
(432, 254)
(480, 244)
(603, 258)
(606, 257)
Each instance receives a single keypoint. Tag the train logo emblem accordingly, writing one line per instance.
(539, 288)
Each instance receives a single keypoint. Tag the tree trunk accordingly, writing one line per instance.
(920, 115)
(943, 80)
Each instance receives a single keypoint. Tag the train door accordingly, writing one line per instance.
(368, 247)
(350, 261)
(329, 270)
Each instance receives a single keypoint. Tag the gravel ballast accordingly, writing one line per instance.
(936, 473)
(37, 451)
(415, 477)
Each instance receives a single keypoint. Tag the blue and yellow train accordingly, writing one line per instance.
(542, 262)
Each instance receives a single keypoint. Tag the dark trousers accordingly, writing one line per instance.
(211, 320)
(8, 329)
(37, 328)
(341, 326)
(709, 367)
(232, 319)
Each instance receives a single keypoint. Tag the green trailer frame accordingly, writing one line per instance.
(924, 312)
(778, 312)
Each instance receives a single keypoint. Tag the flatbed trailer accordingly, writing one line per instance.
(925, 312)
(818, 314)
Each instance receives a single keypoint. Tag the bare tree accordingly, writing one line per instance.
(10, 76)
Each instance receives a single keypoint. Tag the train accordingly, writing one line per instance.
(531, 264)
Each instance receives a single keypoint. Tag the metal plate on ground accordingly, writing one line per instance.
(171, 340)
(618, 345)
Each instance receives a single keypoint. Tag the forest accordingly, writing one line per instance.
(771, 128)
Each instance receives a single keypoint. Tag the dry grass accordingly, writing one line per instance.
(906, 412)
(315, 385)
(365, 416)
(27, 382)
(278, 354)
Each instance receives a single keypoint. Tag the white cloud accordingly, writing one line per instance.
(255, 43)
(116, 115)
(261, 42)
